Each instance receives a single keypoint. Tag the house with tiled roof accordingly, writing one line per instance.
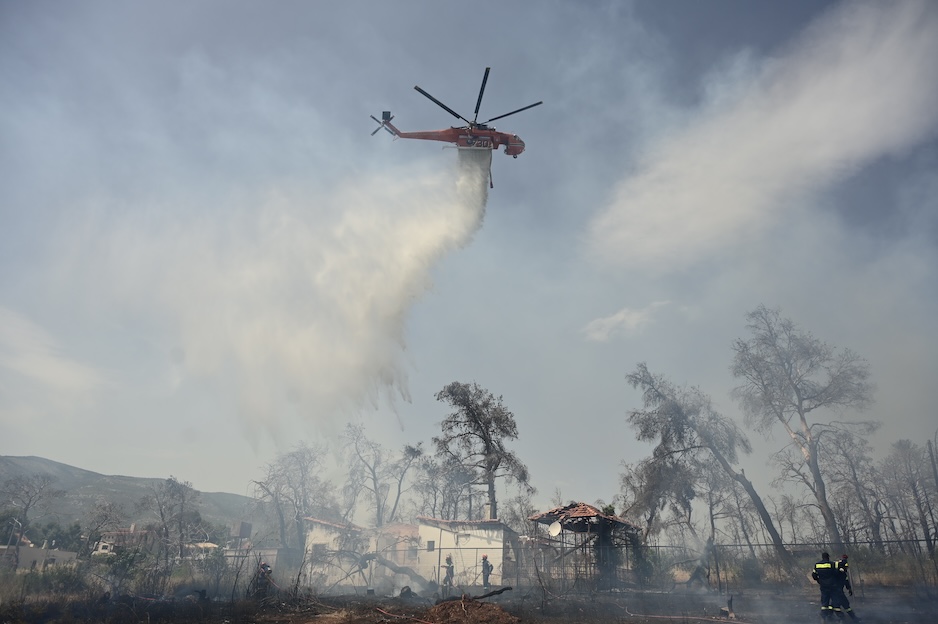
(132, 538)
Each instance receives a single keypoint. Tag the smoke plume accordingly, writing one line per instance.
(296, 303)
(773, 133)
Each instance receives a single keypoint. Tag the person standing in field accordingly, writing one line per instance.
(487, 568)
(844, 566)
(830, 578)
(450, 570)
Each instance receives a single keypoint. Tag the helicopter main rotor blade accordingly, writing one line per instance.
(485, 79)
(513, 112)
(442, 105)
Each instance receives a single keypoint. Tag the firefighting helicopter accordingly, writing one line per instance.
(474, 135)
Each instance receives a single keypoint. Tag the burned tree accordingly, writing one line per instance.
(686, 426)
(378, 473)
(653, 485)
(906, 474)
(444, 488)
(475, 435)
(103, 516)
(293, 489)
(23, 496)
(28, 494)
(853, 475)
(173, 504)
(787, 374)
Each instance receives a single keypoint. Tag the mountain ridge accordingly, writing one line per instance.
(84, 487)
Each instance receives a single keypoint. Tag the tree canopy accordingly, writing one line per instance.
(475, 436)
(786, 375)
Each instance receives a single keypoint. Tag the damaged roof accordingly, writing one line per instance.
(579, 517)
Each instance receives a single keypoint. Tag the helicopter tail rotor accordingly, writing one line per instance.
(385, 121)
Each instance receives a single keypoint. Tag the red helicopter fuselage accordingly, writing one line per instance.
(467, 137)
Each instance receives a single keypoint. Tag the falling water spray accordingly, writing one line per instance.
(472, 185)
(291, 308)
(374, 265)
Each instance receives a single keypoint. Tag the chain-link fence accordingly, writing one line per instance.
(722, 567)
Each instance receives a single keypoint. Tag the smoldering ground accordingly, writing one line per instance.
(766, 605)
(781, 605)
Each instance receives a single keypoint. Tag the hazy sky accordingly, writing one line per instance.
(205, 258)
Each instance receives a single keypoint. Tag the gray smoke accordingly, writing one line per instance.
(293, 302)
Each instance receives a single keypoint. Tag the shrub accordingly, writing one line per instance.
(62, 580)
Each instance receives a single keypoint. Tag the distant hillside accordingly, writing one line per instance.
(83, 487)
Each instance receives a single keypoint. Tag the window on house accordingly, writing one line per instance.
(431, 545)
(319, 551)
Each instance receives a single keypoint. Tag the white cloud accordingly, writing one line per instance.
(849, 91)
(33, 354)
(625, 321)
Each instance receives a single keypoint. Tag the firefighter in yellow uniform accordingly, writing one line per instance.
(830, 578)
(844, 566)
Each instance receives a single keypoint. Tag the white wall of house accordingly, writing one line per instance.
(422, 548)
(31, 558)
(466, 543)
(329, 555)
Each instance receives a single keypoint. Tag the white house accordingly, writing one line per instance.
(26, 559)
(467, 541)
(333, 554)
(112, 542)
(383, 560)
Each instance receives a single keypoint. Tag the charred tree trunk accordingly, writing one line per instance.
(934, 464)
(493, 503)
(784, 556)
(820, 495)
(922, 517)
(742, 524)
(874, 519)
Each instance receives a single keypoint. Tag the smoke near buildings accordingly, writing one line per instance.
(202, 249)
